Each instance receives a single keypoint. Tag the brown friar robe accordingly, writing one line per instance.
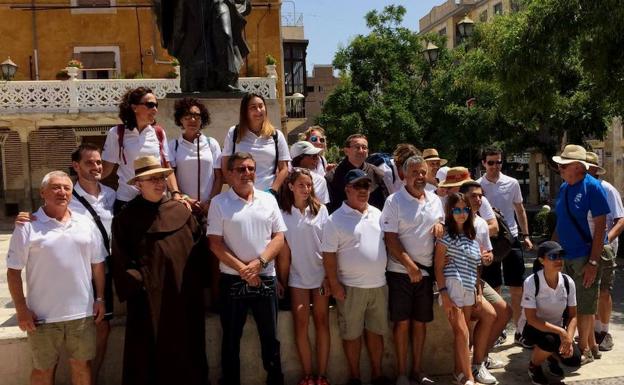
(164, 341)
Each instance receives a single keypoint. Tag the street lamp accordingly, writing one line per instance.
(431, 53)
(465, 27)
(8, 69)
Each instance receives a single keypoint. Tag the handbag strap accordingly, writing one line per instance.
(574, 221)
(96, 218)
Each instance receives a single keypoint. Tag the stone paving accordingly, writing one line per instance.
(607, 371)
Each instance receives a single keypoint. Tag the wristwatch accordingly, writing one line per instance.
(263, 262)
(593, 262)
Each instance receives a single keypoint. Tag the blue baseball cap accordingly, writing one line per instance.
(356, 175)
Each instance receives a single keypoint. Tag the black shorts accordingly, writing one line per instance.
(512, 269)
(108, 296)
(549, 342)
(410, 301)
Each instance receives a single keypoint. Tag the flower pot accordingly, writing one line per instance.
(271, 70)
(72, 72)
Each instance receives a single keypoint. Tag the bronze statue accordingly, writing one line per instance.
(206, 36)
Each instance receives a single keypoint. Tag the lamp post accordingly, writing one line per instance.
(8, 69)
(465, 27)
(431, 53)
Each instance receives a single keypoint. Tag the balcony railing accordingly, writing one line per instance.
(295, 106)
(80, 95)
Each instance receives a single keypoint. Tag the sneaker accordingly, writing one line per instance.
(537, 376)
(403, 380)
(520, 340)
(421, 379)
(482, 375)
(553, 368)
(607, 342)
(322, 380)
(493, 363)
(500, 340)
(596, 352)
(586, 357)
(307, 380)
(460, 379)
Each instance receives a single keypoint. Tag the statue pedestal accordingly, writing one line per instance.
(224, 113)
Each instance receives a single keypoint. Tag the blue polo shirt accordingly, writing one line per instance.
(585, 196)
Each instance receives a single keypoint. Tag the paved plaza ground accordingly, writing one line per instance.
(607, 371)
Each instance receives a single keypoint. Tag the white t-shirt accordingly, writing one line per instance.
(57, 257)
(246, 227)
(304, 240)
(412, 221)
(503, 194)
(184, 159)
(357, 240)
(135, 145)
(320, 187)
(550, 304)
(263, 151)
(616, 210)
(485, 211)
(482, 233)
(102, 204)
(320, 167)
(393, 185)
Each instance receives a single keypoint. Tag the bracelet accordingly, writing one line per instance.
(440, 290)
(99, 299)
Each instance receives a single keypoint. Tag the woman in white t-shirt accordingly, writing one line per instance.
(195, 157)
(255, 134)
(300, 267)
(316, 136)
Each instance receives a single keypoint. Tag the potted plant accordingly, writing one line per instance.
(62, 75)
(270, 66)
(73, 67)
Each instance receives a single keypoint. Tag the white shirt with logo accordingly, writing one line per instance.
(550, 303)
(503, 194)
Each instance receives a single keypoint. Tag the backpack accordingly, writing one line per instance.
(160, 134)
(503, 241)
(566, 284)
(274, 136)
(379, 158)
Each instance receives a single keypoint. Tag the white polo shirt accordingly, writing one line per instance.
(412, 220)
(357, 240)
(503, 194)
(184, 160)
(57, 257)
(614, 200)
(102, 204)
(320, 167)
(482, 233)
(550, 303)
(304, 240)
(135, 145)
(246, 227)
(320, 188)
(263, 151)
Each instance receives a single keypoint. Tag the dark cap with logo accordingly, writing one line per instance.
(548, 248)
(356, 175)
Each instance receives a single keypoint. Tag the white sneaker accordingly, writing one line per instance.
(482, 375)
(402, 380)
(493, 363)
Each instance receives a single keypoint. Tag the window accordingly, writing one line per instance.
(98, 62)
(320, 89)
(498, 9)
(94, 6)
(295, 77)
(310, 89)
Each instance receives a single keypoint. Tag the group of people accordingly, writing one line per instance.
(380, 240)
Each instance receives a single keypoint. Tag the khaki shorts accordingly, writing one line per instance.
(607, 268)
(586, 297)
(77, 337)
(363, 309)
(489, 294)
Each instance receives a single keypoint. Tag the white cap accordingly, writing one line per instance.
(303, 148)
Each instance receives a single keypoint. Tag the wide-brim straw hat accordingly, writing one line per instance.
(456, 176)
(432, 154)
(146, 166)
(572, 153)
(592, 159)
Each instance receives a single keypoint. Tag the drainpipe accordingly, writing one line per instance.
(35, 43)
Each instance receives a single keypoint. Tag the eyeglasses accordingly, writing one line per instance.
(315, 156)
(361, 186)
(150, 105)
(243, 169)
(555, 256)
(315, 139)
(154, 179)
(493, 162)
(192, 115)
(360, 147)
(459, 210)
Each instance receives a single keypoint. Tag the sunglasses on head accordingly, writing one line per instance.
(459, 210)
(315, 139)
(150, 105)
(555, 256)
(493, 162)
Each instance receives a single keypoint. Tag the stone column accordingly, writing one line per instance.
(24, 130)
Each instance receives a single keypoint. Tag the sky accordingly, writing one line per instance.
(329, 24)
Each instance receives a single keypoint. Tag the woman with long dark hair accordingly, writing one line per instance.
(300, 267)
(255, 134)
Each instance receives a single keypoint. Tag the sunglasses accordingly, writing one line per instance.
(459, 210)
(315, 139)
(555, 256)
(361, 186)
(493, 162)
(150, 105)
(242, 169)
(154, 179)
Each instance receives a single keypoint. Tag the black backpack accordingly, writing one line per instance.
(378, 158)
(566, 284)
(503, 241)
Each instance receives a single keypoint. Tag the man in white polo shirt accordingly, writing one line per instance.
(61, 251)
(504, 193)
(354, 256)
(246, 232)
(411, 219)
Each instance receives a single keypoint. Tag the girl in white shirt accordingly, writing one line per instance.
(255, 134)
(301, 268)
(195, 157)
